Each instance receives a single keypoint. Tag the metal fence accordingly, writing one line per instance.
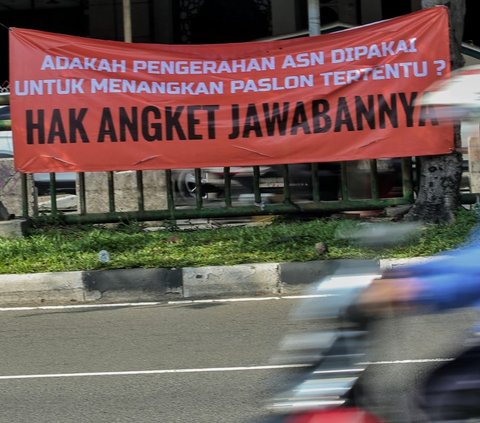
(255, 203)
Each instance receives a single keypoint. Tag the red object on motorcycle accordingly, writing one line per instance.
(341, 415)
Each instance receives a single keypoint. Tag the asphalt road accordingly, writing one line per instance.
(198, 362)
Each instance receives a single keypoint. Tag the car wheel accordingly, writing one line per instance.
(185, 186)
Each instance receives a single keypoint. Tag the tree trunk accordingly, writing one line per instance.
(440, 176)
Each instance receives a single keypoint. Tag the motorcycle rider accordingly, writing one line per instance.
(448, 281)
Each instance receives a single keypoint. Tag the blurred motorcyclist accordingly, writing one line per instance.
(447, 281)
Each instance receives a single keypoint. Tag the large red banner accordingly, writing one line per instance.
(80, 104)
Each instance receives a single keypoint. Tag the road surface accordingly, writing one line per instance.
(202, 362)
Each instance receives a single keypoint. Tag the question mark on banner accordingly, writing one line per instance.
(441, 65)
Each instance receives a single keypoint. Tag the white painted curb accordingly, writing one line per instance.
(44, 287)
(243, 279)
(257, 279)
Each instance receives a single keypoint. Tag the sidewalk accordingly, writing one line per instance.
(132, 285)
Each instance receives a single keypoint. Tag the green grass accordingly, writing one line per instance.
(77, 248)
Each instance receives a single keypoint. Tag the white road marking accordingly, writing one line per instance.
(235, 300)
(152, 372)
(156, 303)
(202, 370)
(414, 361)
(79, 306)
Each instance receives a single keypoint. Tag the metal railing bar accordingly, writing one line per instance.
(198, 188)
(344, 181)
(315, 182)
(111, 192)
(374, 179)
(268, 209)
(227, 177)
(140, 191)
(53, 194)
(287, 194)
(24, 182)
(257, 194)
(82, 200)
(170, 194)
(407, 179)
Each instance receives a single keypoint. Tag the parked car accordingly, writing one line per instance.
(271, 183)
(4, 113)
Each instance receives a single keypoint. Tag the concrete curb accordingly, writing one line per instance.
(132, 285)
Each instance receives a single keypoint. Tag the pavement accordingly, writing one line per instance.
(159, 284)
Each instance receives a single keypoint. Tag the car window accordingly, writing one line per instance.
(5, 113)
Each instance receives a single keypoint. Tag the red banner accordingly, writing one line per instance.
(80, 104)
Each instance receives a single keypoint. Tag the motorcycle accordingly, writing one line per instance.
(329, 387)
(332, 387)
